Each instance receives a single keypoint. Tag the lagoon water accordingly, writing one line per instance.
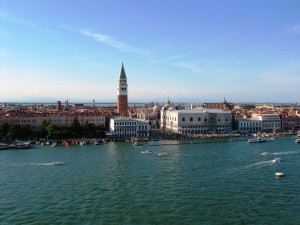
(113, 183)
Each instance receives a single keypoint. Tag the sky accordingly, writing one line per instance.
(185, 50)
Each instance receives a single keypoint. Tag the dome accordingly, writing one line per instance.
(224, 101)
(179, 107)
(167, 105)
(156, 108)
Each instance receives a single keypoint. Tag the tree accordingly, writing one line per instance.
(45, 123)
(4, 128)
(14, 131)
(50, 130)
(25, 131)
(75, 126)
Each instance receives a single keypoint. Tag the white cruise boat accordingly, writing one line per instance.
(256, 140)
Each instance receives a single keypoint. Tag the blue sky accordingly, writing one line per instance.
(188, 51)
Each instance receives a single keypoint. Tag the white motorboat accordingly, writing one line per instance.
(146, 152)
(266, 153)
(137, 144)
(297, 141)
(277, 160)
(54, 144)
(256, 140)
(96, 143)
(279, 174)
(56, 163)
(3, 146)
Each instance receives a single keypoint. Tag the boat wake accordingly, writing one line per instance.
(281, 153)
(263, 163)
(40, 164)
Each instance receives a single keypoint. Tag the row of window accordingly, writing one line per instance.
(204, 126)
(137, 127)
(250, 124)
(125, 130)
(125, 123)
(205, 119)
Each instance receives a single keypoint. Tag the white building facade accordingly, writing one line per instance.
(248, 125)
(35, 122)
(196, 121)
(126, 127)
(270, 122)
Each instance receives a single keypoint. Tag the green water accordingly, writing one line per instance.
(220, 183)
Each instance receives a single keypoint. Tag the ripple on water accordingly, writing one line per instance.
(228, 183)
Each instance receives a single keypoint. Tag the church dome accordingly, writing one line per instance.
(156, 108)
(167, 105)
(179, 107)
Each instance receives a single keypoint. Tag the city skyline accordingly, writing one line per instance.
(188, 51)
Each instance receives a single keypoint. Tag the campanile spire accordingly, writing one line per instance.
(122, 94)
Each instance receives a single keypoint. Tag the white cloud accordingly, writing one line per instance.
(191, 67)
(295, 29)
(112, 42)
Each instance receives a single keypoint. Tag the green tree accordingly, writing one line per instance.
(44, 132)
(25, 131)
(4, 128)
(89, 130)
(14, 131)
(49, 130)
(75, 126)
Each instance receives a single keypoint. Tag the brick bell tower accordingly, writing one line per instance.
(122, 106)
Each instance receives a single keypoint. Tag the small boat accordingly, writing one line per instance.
(56, 163)
(266, 153)
(256, 140)
(277, 160)
(297, 141)
(146, 152)
(279, 174)
(3, 146)
(54, 144)
(162, 154)
(137, 144)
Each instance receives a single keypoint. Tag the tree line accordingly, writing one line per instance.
(50, 131)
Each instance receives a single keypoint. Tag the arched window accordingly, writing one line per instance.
(205, 119)
(191, 119)
(199, 118)
(183, 119)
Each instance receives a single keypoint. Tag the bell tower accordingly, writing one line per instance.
(122, 106)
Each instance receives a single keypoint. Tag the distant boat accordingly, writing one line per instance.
(56, 163)
(20, 145)
(54, 144)
(297, 141)
(266, 153)
(3, 146)
(256, 140)
(137, 144)
(146, 152)
(276, 160)
(279, 174)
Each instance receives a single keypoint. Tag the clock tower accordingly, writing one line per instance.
(122, 105)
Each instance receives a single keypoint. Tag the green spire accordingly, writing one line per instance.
(122, 73)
